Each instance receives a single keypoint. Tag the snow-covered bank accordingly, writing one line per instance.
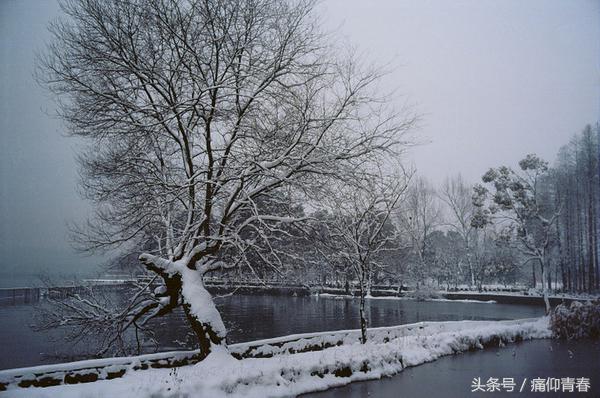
(284, 374)
(464, 301)
(341, 296)
(530, 293)
(530, 298)
(499, 297)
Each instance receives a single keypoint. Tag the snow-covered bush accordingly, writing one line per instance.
(424, 293)
(577, 321)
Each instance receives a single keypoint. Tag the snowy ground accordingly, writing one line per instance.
(284, 374)
(495, 296)
(340, 296)
(530, 293)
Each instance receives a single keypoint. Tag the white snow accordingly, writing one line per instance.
(531, 294)
(387, 352)
(465, 301)
(200, 300)
(339, 297)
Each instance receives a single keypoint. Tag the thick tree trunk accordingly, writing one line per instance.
(207, 337)
(200, 310)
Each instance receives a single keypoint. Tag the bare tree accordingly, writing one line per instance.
(417, 218)
(359, 230)
(576, 184)
(457, 196)
(195, 111)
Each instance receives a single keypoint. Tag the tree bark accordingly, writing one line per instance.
(361, 309)
(199, 308)
(204, 332)
(544, 288)
(363, 321)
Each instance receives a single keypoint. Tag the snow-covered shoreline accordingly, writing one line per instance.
(342, 296)
(290, 369)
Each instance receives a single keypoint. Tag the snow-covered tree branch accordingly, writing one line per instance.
(358, 228)
(519, 199)
(194, 112)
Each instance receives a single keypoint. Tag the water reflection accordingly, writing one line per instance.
(248, 317)
(257, 317)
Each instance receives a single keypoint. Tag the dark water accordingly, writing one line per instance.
(452, 376)
(257, 317)
(248, 317)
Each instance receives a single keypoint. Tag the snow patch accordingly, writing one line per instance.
(341, 296)
(284, 374)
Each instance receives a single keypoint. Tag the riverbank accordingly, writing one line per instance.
(473, 297)
(27, 295)
(247, 318)
(497, 296)
(452, 376)
(516, 297)
(293, 367)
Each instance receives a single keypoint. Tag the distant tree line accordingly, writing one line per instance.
(534, 226)
(576, 188)
(545, 217)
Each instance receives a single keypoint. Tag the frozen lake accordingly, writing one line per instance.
(248, 317)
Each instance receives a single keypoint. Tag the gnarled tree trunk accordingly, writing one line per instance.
(200, 310)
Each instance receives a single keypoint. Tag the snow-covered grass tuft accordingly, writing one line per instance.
(283, 374)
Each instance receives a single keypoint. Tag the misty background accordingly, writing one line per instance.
(493, 81)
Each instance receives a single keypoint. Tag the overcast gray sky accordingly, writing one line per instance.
(37, 169)
(493, 79)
